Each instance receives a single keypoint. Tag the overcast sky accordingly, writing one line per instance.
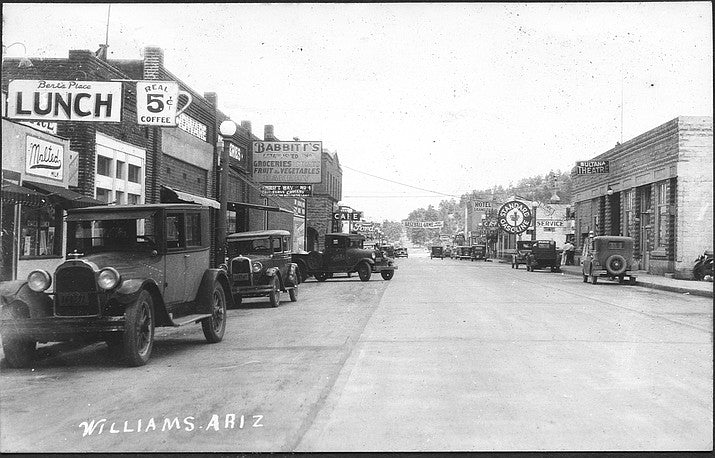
(445, 97)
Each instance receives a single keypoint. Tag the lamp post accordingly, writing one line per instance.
(227, 129)
(24, 61)
(534, 204)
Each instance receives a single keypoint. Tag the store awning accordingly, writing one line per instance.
(180, 196)
(15, 194)
(235, 205)
(62, 196)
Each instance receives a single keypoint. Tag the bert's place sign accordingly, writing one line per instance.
(42, 100)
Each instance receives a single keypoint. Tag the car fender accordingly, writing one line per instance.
(38, 304)
(203, 296)
(369, 261)
(276, 272)
(130, 290)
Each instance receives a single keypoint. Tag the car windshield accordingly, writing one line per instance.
(249, 246)
(111, 235)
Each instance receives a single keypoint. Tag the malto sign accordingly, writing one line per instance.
(41, 100)
(43, 158)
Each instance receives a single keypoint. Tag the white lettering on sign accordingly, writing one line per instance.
(44, 159)
(591, 167)
(424, 224)
(191, 126)
(550, 222)
(45, 126)
(287, 162)
(92, 101)
(157, 103)
(187, 423)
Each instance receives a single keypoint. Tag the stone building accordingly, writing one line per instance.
(320, 207)
(658, 190)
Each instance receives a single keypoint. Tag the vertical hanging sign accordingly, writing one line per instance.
(157, 103)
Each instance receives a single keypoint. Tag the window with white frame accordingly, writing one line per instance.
(662, 215)
(120, 171)
(629, 203)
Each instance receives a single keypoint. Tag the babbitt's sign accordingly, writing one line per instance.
(94, 101)
(287, 162)
(591, 167)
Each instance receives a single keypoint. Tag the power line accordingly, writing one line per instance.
(397, 182)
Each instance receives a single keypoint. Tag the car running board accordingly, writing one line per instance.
(189, 319)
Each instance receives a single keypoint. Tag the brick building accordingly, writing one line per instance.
(659, 190)
(324, 201)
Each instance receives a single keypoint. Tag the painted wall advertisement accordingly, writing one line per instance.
(287, 162)
(41, 100)
(44, 159)
(287, 190)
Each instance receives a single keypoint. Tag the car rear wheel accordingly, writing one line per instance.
(275, 296)
(321, 276)
(364, 271)
(215, 326)
(293, 294)
(19, 351)
(138, 339)
(387, 274)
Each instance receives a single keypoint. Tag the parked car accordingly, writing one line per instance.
(401, 252)
(448, 252)
(608, 256)
(129, 268)
(389, 250)
(437, 252)
(259, 263)
(479, 252)
(462, 252)
(344, 253)
(523, 248)
(543, 254)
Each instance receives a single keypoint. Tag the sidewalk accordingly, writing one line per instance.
(697, 288)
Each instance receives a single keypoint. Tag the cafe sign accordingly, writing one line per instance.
(43, 100)
(287, 162)
(43, 158)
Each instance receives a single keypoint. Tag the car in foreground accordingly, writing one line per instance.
(401, 252)
(344, 253)
(543, 255)
(129, 269)
(259, 264)
(610, 257)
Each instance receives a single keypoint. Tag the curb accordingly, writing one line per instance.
(674, 289)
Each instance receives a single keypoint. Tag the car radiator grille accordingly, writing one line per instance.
(241, 271)
(76, 292)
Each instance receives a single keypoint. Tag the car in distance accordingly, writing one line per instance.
(401, 252)
(543, 254)
(437, 252)
(523, 248)
(344, 253)
(608, 256)
(462, 252)
(129, 269)
(259, 264)
(479, 252)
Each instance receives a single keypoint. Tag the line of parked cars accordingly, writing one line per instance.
(132, 268)
(471, 252)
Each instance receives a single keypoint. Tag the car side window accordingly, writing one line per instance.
(276, 244)
(286, 245)
(175, 236)
(193, 229)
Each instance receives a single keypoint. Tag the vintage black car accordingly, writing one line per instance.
(437, 252)
(523, 248)
(608, 256)
(479, 252)
(344, 253)
(388, 250)
(543, 254)
(129, 268)
(462, 252)
(259, 264)
(401, 252)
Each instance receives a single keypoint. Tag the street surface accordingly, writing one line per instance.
(448, 355)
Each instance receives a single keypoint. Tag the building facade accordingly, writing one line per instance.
(320, 206)
(658, 190)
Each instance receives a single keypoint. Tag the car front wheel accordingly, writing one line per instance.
(364, 271)
(19, 352)
(275, 296)
(215, 326)
(293, 294)
(139, 333)
(321, 276)
(387, 274)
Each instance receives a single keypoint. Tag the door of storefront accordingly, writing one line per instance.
(7, 220)
(646, 227)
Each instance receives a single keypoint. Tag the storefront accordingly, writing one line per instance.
(656, 188)
(37, 171)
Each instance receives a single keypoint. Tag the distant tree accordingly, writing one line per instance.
(392, 230)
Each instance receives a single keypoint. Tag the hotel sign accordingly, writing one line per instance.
(287, 162)
(591, 167)
(42, 100)
(44, 159)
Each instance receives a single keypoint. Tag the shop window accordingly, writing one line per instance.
(121, 170)
(134, 173)
(661, 216)
(119, 197)
(104, 166)
(193, 229)
(103, 195)
(133, 199)
(41, 230)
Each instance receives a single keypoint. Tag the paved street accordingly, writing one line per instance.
(449, 355)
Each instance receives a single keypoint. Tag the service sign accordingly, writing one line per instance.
(287, 190)
(550, 222)
(42, 100)
(287, 162)
(514, 217)
(43, 158)
(592, 167)
(157, 103)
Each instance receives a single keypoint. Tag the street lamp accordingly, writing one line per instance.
(534, 204)
(609, 191)
(227, 129)
(24, 61)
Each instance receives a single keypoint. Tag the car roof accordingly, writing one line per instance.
(251, 234)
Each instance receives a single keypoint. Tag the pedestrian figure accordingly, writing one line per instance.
(567, 255)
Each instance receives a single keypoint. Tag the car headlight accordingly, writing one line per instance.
(256, 267)
(108, 278)
(373, 255)
(39, 280)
